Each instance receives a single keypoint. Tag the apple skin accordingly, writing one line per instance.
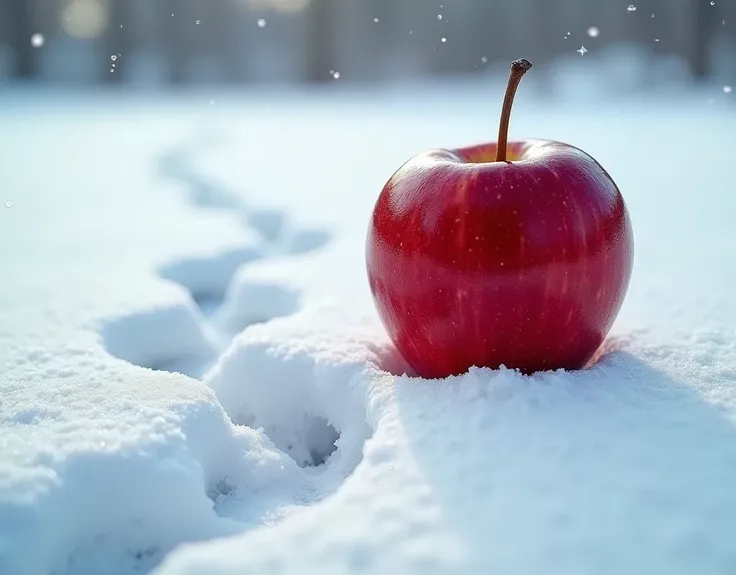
(524, 263)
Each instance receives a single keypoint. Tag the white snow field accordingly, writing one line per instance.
(194, 381)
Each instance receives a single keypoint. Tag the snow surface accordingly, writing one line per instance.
(193, 379)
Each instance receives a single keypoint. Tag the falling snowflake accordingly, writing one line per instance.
(37, 40)
(336, 75)
(439, 16)
(376, 20)
(582, 51)
(198, 22)
(8, 204)
(484, 60)
(593, 32)
(443, 39)
(631, 8)
(261, 22)
(727, 89)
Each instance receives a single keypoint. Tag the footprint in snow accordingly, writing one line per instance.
(189, 338)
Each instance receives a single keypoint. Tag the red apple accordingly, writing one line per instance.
(515, 254)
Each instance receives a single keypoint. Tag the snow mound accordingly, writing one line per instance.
(306, 392)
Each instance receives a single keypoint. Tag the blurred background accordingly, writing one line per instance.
(173, 44)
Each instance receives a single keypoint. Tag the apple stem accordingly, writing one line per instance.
(518, 69)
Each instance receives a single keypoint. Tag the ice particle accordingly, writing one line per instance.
(631, 8)
(8, 204)
(261, 22)
(593, 32)
(727, 89)
(582, 51)
(37, 40)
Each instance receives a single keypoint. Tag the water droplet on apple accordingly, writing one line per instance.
(727, 89)
(593, 32)
(261, 22)
(37, 40)
(631, 8)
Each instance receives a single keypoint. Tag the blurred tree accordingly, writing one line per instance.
(491, 32)
(706, 17)
(174, 21)
(19, 14)
(118, 38)
(381, 45)
(224, 35)
(321, 40)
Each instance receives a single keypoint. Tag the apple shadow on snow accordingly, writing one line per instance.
(552, 465)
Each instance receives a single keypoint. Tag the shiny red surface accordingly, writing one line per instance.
(482, 263)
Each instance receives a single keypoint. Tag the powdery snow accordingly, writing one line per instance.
(226, 243)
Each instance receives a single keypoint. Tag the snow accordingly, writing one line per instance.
(193, 379)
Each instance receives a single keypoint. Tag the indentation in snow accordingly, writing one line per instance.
(170, 338)
(304, 395)
(185, 338)
(286, 400)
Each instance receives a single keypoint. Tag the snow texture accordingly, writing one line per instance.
(194, 381)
